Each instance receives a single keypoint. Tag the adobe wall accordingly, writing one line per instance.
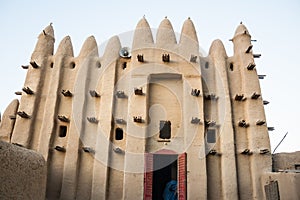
(286, 161)
(23, 173)
(288, 186)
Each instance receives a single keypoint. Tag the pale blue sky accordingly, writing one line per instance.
(275, 24)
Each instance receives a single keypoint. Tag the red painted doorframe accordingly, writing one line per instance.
(148, 174)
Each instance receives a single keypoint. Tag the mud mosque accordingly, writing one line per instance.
(122, 125)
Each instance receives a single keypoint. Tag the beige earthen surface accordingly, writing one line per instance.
(22, 173)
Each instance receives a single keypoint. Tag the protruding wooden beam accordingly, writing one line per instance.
(63, 118)
(239, 97)
(140, 57)
(59, 148)
(195, 92)
(138, 119)
(138, 91)
(256, 55)
(25, 66)
(166, 57)
(249, 49)
(34, 65)
(23, 114)
(255, 96)
(67, 93)
(264, 151)
(261, 76)
(195, 120)
(88, 150)
(210, 123)
(120, 121)
(193, 59)
(93, 120)
(251, 66)
(246, 152)
(27, 90)
(93, 93)
(260, 122)
(243, 124)
(121, 94)
(211, 97)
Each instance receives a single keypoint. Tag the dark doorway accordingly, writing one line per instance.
(164, 170)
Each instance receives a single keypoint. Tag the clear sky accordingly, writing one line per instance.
(275, 25)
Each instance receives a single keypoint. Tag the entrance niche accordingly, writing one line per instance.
(161, 168)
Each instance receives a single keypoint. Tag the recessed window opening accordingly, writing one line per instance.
(51, 64)
(72, 65)
(124, 65)
(206, 65)
(165, 129)
(211, 136)
(98, 64)
(231, 66)
(62, 131)
(119, 134)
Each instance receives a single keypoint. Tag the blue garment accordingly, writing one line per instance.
(170, 192)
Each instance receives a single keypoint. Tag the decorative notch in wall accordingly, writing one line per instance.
(63, 118)
(195, 92)
(166, 57)
(138, 91)
(67, 93)
(92, 120)
(28, 91)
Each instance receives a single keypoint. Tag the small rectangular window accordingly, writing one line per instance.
(62, 131)
(211, 136)
(165, 130)
(119, 134)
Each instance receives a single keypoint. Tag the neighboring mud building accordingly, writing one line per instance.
(123, 125)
